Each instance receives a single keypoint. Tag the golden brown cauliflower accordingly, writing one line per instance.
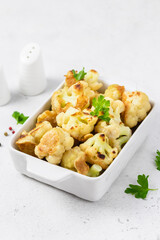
(70, 79)
(114, 91)
(40, 130)
(92, 79)
(27, 141)
(114, 129)
(117, 133)
(76, 122)
(98, 150)
(115, 110)
(75, 159)
(53, 144)
(49, 116)
(78, 95)
(137, 106)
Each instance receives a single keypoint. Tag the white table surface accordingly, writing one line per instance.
(120, 39)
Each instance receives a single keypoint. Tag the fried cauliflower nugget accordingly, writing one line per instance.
(117, 133)
(137, 106)
(114, 91)
(78, 95)
(27, 141)
(75, 159)
(98, 150)
(76, 122)
(92, 79)
(49, 116)
(53, 144)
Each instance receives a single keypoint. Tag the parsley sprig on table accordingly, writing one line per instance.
(20, 118)
(101, 108)
(157, 160)
(141, 190)
(80, 75)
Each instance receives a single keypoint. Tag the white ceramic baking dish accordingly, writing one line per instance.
(85, 187)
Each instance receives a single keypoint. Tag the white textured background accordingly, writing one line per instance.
(121, 39)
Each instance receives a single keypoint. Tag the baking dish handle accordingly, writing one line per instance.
(45, 172)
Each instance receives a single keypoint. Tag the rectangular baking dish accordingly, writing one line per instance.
(85, 187)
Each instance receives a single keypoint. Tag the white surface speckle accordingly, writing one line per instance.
(120, 39)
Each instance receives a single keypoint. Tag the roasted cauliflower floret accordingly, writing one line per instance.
(115, 110)
(28, 140)
(92, 79)
(76, 122)
(114, 91)
(26, 143)
(78, 95)
(121, 141)
(70, 79)
(118, 134)
(137, 106)
(75, 159)
(49, 116)
(98, 150)
(40, 130)
(53, 144)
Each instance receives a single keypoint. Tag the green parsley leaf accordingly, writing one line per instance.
(141, 190)
(15, 115)
(101, 110)
(20, 118)
(157, 160)
(80, 75)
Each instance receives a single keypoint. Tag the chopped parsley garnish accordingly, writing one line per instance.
(20, 118)
(80, 75)
(157, 160)
(141, 190)
(101, 110)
